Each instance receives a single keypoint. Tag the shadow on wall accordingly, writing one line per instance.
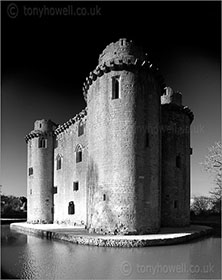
(101, 218)
(92, 186)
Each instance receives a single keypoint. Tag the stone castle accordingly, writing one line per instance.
(122, 165)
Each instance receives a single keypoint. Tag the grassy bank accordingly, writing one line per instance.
(212, 220)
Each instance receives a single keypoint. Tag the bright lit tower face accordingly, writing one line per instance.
(40, 173)
(123, 100)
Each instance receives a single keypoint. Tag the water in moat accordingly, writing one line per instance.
(26, 256)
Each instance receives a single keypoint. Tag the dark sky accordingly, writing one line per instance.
(45, 59)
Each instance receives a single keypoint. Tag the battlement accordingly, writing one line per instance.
(120, 49)
(180, 109)
(44, 125)
(71, 121)
(41, 128)
(170, 96)
(122, 55)
(173, 101)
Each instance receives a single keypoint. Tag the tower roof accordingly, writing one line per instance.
(122, 48)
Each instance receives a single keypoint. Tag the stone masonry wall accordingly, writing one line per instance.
(39, 184)
(175, 207)
(69, 173)
(124, 155)
(123, 175)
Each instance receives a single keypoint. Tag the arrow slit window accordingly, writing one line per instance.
(115, 87)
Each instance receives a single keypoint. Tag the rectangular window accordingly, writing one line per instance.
(175, 204)
(79, 156)
(56, 143)
(116, 87)
(58, 162)
(71, 208)
(75, 186)
(147, 140)
(30, 191)
(30, 171)
(178, 161)
(55, 190)
(191, 151)
(42, 143)
(104, 197)
(80, 128)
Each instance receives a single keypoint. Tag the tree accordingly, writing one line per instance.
(213, 165)
(11, 206)
(201, 205)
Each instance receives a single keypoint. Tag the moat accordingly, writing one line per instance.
(26, 256)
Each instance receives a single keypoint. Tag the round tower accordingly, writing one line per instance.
(40, 172)
(123, 176)
(176, 151)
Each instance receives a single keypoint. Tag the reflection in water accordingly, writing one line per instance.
(29, 257)
(12, 237)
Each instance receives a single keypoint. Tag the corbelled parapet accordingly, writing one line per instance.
(71, 121)
(41, 128)
(173, 101)
(122, 55)
(34, 134)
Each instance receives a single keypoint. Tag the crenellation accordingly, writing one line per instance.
(120, 64)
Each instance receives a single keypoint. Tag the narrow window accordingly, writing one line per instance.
(40, 125)
(75, 186)
(175, 204)
(42, 143)
(55, 190)
(30, 191)
(178, 161)
(56, 143)
(191, 151)
(147, 142)
(58, 162)
(115, 87)
(80, 128)
(104, 197)
(30, 171)
(78, 154)
(71, 208)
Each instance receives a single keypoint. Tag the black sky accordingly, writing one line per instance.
(57, 48)
(46, 60)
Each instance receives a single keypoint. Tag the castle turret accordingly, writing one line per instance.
(176, 151)
(123, 100)
(40, 172)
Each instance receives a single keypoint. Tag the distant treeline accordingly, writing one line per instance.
(16, 207)
(204, 205)
(13, 207)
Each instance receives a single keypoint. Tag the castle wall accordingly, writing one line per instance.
(69, 173)
(123, 175)
(123, 156)
(175, 208)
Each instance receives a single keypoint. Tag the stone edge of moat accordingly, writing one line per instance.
(115, 241)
